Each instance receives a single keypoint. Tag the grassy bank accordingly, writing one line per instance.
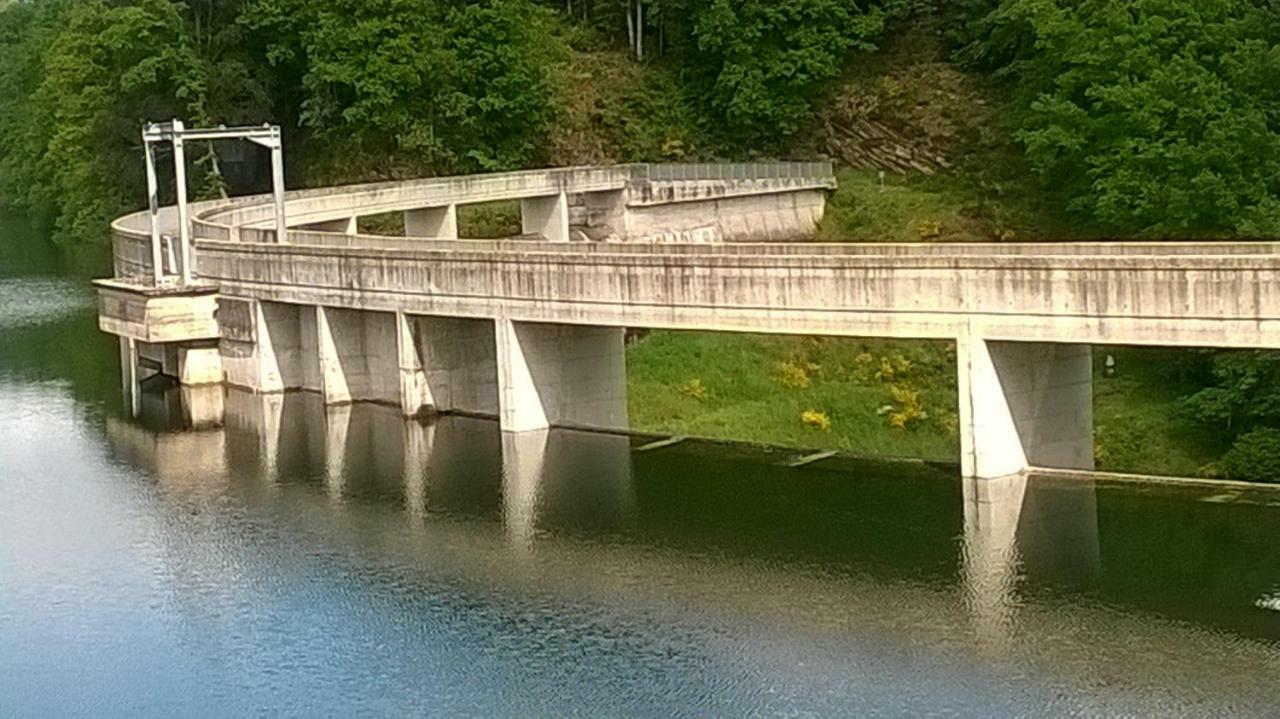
(804, 392)
(910, 208)
(883, 398)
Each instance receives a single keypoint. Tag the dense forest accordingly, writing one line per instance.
(1027, 119)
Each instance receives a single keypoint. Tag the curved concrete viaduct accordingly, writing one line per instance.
(530, 329)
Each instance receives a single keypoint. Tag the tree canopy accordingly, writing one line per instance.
(418, 86)
(80, 80)
(1133, 117)
(1146, 116)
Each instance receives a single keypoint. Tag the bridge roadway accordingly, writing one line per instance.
(531, 330)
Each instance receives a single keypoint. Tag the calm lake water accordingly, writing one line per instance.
(303, 561)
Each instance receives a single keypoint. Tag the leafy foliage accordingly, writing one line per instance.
(1239, 395)
(764, 60)
(1237, 403)
(1145, 116)
(1255, 456)
(419, 86)
(82, 78)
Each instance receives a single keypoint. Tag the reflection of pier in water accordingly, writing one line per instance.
(1017, 526)
(558, 479)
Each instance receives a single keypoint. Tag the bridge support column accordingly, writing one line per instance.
(199, 365)
(546, 216)
(436, 223)
(260, 340)
(129, 376)
(345, 225)
(550, 374)
(189, 363)
(333, 377)
(1024, 404)
(415, 393)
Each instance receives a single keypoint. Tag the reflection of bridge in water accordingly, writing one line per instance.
(835, 549)
(538, 485)
(454, 464)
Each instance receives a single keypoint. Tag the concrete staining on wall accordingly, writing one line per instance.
(530, 330)
(773, 217)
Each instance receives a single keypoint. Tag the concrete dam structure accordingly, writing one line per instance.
(271, 296)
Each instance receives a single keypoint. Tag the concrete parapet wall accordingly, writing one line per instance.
(307, 206)
(430, 206)
(157, 315)
(645, 194)
(1193, 300)
(742, 217)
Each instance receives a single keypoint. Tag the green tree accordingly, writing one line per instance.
(413, 86)
(1147, 116)
(1239, 405)
(1255, 456)
(764, 61)
(1238, 395)
(87, 76)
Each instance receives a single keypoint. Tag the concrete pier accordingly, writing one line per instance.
(359, 360)
(433, 223)
(546, 216)
(565, 375)
(1024, 404)
(448, 364)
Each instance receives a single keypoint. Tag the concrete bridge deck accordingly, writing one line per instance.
(530, 330)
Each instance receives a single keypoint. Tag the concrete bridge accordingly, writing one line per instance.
(530, 329)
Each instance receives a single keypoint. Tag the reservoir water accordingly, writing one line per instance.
(294, 560)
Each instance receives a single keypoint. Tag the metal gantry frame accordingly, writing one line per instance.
(176, 134)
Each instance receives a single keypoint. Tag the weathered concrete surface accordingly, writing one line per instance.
(198, 366)
(1209, 300)
(531, 330)
(727, 217)
(156, 315)
(342, 225)
(436, 223)
(1024, 404)
(599, 198)
(456, 360)
(563, 375)
(545, 216)
(359, 359)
